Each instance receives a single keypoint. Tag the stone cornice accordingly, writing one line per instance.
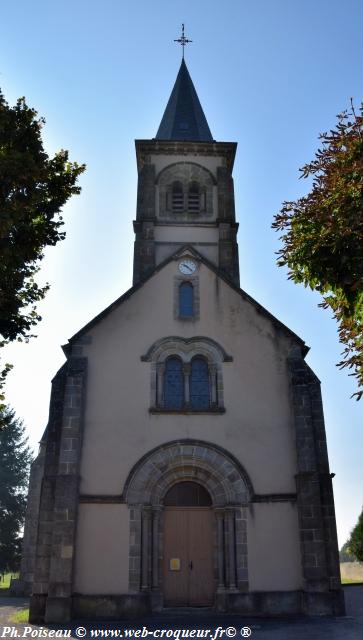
(145, 148)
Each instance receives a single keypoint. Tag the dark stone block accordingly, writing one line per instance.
(265, 603)
(37, 608)
(111, 607)
(58, 610)
(324, 604)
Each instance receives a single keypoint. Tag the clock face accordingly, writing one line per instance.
(187, 266)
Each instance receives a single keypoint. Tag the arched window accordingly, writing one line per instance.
(173, 384)
(177, 197)
(199, 384)
(194, 198)
(186, 300)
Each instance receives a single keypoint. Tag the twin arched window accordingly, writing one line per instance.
(186, 386)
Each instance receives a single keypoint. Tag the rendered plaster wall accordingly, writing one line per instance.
(185, 234)
(166, 249)
(257, 426)
(274, 558)
(102, 549)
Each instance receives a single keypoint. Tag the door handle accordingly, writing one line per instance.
(191, 565)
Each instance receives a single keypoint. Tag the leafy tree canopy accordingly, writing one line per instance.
(345, 554)
(15, 460)
(323, 234)
(33, 190)
(355, 542)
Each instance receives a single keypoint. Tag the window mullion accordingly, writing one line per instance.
(187, 371)
(213, 383)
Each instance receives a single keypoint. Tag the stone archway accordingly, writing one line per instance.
(230, 489)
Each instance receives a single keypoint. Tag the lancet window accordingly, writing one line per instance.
(186, 300)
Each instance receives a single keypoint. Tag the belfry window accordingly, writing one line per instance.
(194, 198)
(177, 197)
(173, 384)
(186, 300)
(199, 384)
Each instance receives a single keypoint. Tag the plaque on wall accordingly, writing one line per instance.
(174, 564)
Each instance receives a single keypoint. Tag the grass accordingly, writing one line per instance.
(5, 579)
(20, 616)
(349, 581)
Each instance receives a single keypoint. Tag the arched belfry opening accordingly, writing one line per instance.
(180, 487)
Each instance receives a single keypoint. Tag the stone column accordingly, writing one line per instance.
(213, 384)
(145, 554)
(155, 550)
(187, 370)
(230, 515)
(220, 548)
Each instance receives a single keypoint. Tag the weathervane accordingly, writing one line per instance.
(183, 40)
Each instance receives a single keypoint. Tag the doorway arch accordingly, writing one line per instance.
(230, 490)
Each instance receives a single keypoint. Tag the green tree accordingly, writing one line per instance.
(323, 234)
(33, 190)
(345, 554)
(355, 542)
(15, 460)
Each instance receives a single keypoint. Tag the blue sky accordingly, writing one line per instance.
(270, 74)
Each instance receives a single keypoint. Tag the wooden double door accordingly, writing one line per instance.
(188, 577)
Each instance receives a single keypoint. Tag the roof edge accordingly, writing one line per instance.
(125, 296)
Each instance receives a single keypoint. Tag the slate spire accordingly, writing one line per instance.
(184, 118)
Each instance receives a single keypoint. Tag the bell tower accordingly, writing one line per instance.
(185, 189)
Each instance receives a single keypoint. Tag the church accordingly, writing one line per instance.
(184, 463)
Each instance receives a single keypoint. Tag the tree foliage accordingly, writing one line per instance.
(15, 460)
(33, 190)
(355, 542)
(345, 554)
(323, 234)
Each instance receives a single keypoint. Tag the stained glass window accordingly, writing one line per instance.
(199, 384)
(173, 384)
(186, 300)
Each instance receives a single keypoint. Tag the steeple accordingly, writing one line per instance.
(184, 118)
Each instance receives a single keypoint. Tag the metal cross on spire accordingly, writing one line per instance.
(183, 40)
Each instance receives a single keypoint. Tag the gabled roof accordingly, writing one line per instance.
(184, 118)
(179, 253)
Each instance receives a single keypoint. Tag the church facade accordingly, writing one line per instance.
(184, 462)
